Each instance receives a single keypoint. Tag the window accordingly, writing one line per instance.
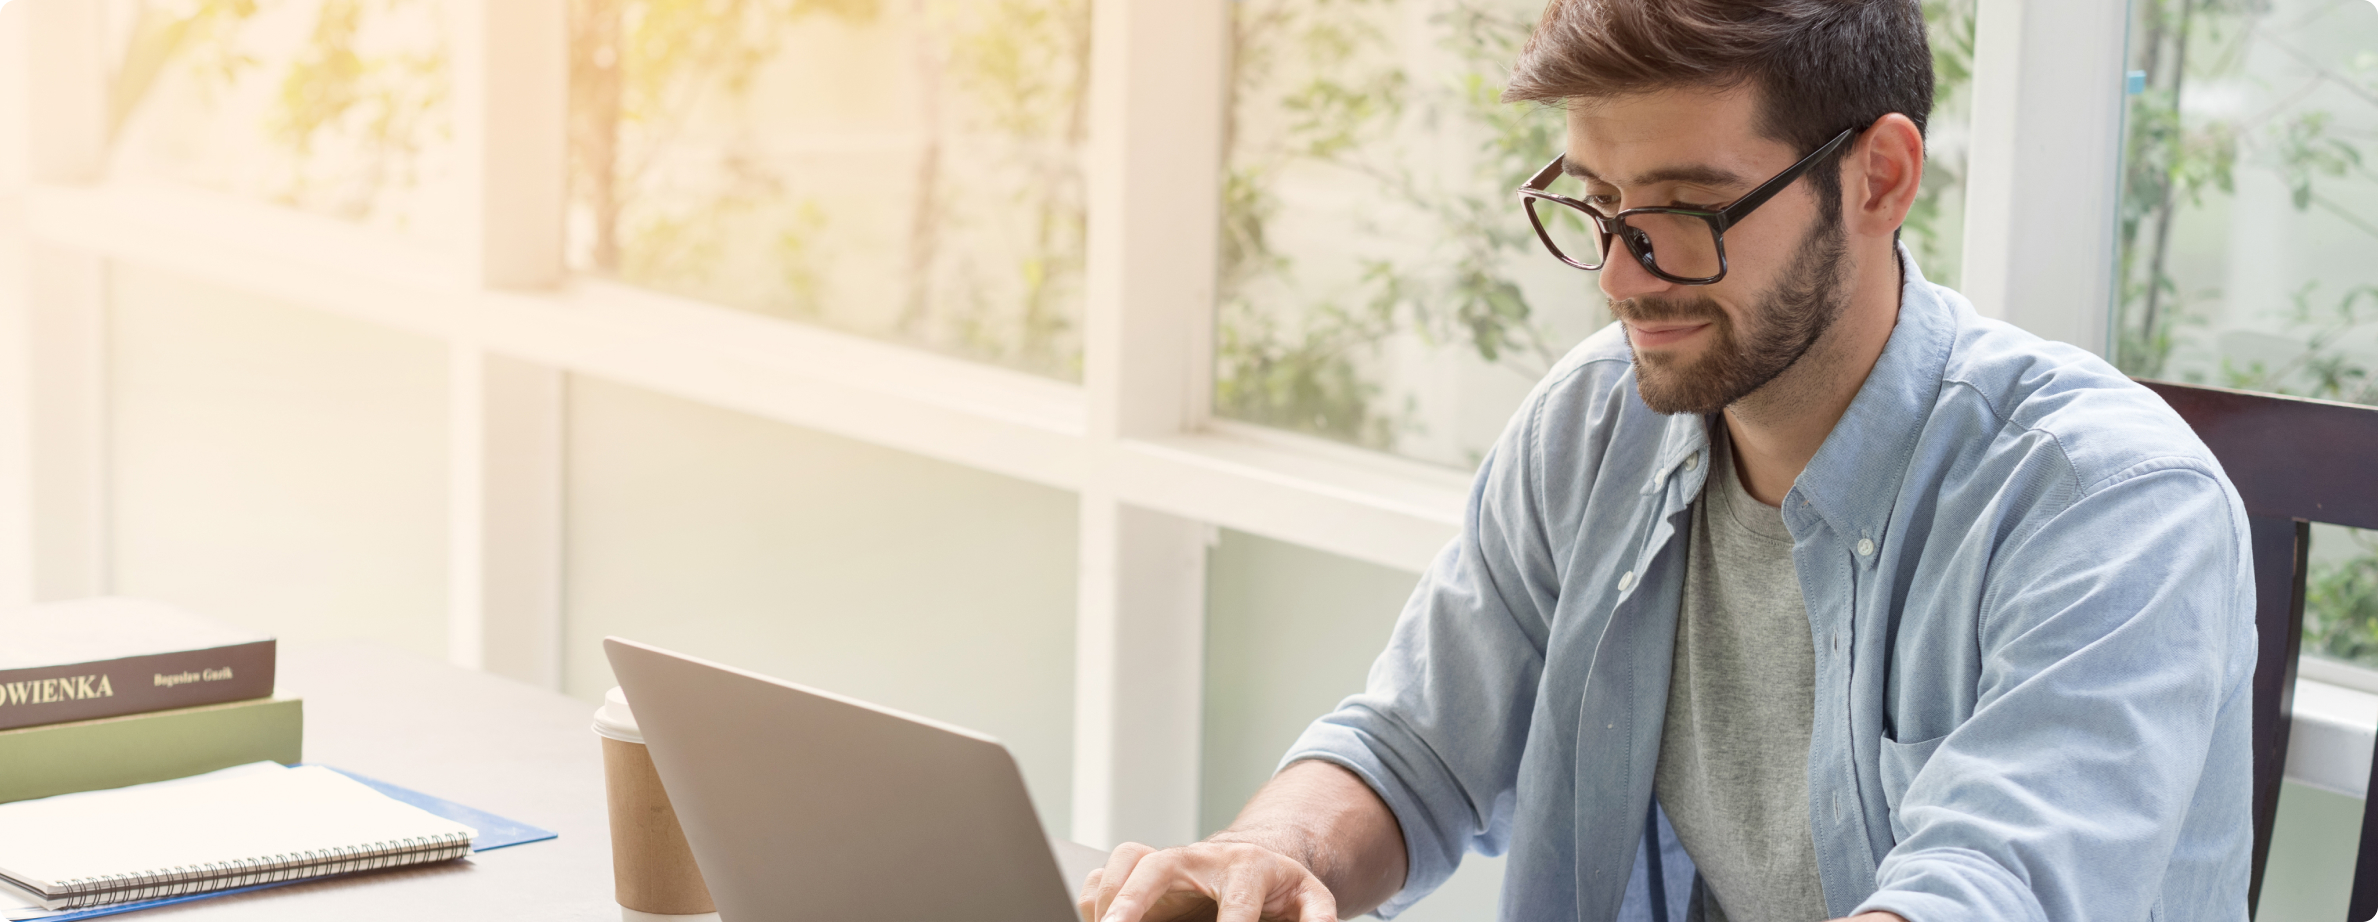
(2249, 214)
(906, 169)
(1935, 229)
(751, 180)
(341, 108)
(1379, 284)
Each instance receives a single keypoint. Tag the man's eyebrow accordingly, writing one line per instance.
(1692, 173)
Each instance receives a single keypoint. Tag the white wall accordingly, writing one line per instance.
(1290, 631)
(274, 466)
(2313, 845)
(919, 585)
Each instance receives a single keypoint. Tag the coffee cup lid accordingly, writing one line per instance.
(614, 720)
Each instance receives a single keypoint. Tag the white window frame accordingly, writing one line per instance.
(1135, 442)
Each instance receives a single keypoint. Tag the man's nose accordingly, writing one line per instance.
(1623, 277)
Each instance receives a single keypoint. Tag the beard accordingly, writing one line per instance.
(1787, 322)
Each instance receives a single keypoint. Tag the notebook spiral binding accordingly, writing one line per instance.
(82, 892)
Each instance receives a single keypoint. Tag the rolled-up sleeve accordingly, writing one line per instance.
(1443, 718)
(2117, 649)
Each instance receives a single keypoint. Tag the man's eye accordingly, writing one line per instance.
(1607, 203)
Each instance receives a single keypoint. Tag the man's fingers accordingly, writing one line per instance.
(1316, 904)
(1251, 894)
(1151, 878)
(1243, 883)
(1241, 895)
(1087, 900)
(1110, 879)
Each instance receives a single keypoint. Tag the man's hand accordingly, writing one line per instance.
(1313, 842)
(1222, 881)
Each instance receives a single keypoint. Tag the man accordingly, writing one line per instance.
(1875, 607)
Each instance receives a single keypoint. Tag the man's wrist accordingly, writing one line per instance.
(1293, 843)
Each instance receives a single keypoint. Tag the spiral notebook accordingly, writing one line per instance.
(239, 827)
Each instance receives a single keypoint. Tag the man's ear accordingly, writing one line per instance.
(1883, 170)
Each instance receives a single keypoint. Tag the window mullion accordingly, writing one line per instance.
(16, 457)
(505, 421)
(2043, 180)
(1154, 203)
(60, 298)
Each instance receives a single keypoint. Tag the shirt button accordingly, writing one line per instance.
(1692, 461)
(1865, 547)
(1626, 581)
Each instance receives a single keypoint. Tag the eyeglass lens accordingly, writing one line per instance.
(1681, 245)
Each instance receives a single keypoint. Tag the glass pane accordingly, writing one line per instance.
(1379, 284)
(2249, 215)
(341, 107)
(908, 169)
(2250, 206)
(1935, 228)
(2341, 596)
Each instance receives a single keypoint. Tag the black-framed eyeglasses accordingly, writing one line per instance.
(1683, 245)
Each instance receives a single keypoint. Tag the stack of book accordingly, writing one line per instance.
(107, 692)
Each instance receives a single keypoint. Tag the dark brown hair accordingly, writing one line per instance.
(1818, 66)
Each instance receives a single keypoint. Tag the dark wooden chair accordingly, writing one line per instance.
(2294, 462)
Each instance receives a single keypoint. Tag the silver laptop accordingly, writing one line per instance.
(802, 804)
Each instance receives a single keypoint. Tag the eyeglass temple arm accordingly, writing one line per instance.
(1543, 178)
(1759, 196)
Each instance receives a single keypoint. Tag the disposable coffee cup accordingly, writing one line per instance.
(651, 866)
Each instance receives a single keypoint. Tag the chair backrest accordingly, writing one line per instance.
(2294, 462)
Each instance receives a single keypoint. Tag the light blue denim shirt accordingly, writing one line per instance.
(2031, 596)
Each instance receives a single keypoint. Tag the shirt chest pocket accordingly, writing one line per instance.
(1900, 763)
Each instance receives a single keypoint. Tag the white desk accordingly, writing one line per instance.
(516, 751)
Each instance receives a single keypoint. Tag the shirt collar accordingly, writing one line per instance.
(1852, 482)
(1848, 482)
(1687, 436)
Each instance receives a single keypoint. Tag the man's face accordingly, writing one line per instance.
(1699, 348)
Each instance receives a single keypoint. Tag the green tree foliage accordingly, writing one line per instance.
(200, 34)
(1929, 231)
(353, 121)
(388, 107)
(1324, 85)
(1006, 78)
(639, 71)
(2327, 368)
(1322, 77)
(2174, 162)
(2341, 608)
(1025, 72)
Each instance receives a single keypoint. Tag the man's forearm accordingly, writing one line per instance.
(1326, 818)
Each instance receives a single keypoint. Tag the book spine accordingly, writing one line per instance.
(135, 684)
(111, 752)
(205, 878)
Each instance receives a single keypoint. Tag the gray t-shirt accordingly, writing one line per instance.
(1733, 772)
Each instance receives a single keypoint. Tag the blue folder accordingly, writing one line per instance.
(494, 832)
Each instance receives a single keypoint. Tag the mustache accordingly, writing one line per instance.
(1648, 309)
